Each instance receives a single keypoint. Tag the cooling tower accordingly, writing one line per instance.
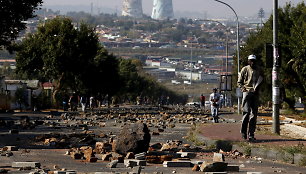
(132, 8)
(162, 9)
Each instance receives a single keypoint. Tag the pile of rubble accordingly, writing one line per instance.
(130, 147)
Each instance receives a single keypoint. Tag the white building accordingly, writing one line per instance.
(8, 88)
(197, 76)
(132, 8)
(162, 9)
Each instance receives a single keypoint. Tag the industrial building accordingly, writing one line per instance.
(162, 9)
(132, 8)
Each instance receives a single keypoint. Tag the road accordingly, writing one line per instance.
(176, 126)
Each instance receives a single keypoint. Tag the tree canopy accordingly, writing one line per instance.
(292, 41)
(61, 52)
(12, 15)
(71, 56)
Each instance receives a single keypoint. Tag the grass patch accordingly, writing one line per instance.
(303, 115)
(303, 162)
(294, 114)
(192, 136)
(247, 150)
(288, 112)
(300, 148)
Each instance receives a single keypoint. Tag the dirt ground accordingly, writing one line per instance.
(175, 125)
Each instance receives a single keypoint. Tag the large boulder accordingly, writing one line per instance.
(132, 138)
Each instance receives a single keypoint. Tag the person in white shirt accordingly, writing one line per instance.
(214, 99)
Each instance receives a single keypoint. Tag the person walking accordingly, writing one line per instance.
(92, 102)
(83, 102)
(65, 102)
(214, 99)
(249, 81)
(202, 99)
(73, 101)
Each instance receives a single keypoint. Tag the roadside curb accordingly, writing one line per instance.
(259, 152)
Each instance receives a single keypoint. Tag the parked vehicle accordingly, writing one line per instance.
(193, 104)
(207, 104)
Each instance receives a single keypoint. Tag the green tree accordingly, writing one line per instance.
(136, 83)
(12, 13)
(71, 56)
(105, 78)
(292, 39)
(130, 79)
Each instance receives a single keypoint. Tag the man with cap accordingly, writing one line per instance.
(249, 80)
(214, 104)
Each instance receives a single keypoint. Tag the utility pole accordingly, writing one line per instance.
(191, 64)
(226, 69)
(275, 71)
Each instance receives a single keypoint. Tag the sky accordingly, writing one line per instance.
(206, 7)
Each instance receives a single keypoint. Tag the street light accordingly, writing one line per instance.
(191, 56)
(226, 52)
(191, 64)
(238, 45)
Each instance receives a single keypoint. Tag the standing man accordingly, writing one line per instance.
(73, 101)
(92, 102)
(248, 81)
(221, 103)
(83, 102)
(214, 99)
(202, 99)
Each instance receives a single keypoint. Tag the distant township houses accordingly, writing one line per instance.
(31, 90)
(167, 68)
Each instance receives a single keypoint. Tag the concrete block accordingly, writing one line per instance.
(215, 172)
(25, 164)
(71, 172)
(197, 162)
(187, 154)
(237, 147)
(136, 170)
(12, 148)
(133, 162)
(177, 164)
(140, 156)
(112, 164)
(106, 157)
(59, 172)
(64, 172)
(213, 167)
(130, 155)
(259, 152)
(196, 168)
(35, 173)
(254, 173)
(286, 157)
(300, 159)
(141, 162)
(130, 163)
(272, 154)
(218, 157)
(232, 168)
(160, 153)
